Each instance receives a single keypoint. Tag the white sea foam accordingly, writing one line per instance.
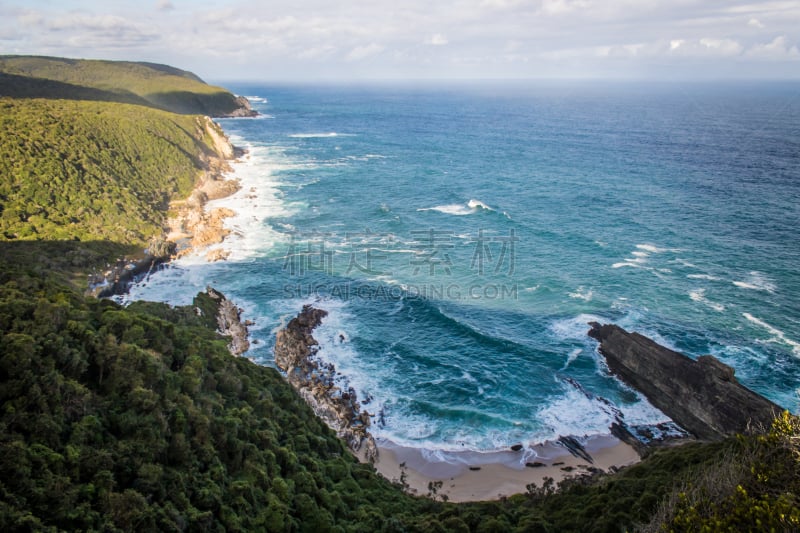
(257, 99)
(473, 206)
(571, 357)
(707, 277)
(573, 413)
(757, 281)
(450, 209)
(655, 249)
(641, 255)
(779, 336)
(699, 295)
(319, 135)
(574, 328)
(582, 294)
(258, 199)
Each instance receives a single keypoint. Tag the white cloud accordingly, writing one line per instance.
(562, 7)
(490, 38)
(437, 40)
(778, 49)
(362, 52)
(722, 47)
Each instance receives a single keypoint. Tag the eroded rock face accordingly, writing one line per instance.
(702, 395)
(229, 321)
(243, 109)
(295, 354)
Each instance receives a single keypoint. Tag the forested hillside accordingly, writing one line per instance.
(149, 84)
(94, 170)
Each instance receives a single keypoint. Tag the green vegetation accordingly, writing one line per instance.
(147, 84)
(93, 170)
(139, 419)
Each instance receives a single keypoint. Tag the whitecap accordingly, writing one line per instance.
(574, 328)
(779, 336)
(574, 413)
(321, 135)
(707, 277)
(450, 209)
(582, 294)
(571, 357)
(473, 206)
(653, 248)
(699, 295)
(757, 281)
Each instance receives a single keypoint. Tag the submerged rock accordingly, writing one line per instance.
(295, 354)
(702, 396)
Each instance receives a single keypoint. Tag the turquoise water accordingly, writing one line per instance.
(462, 237)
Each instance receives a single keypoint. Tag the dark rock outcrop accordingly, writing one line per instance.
(295, 354)
(575, 448)
(229, 322)
(118, 278)
(242, 109)
(702, 396)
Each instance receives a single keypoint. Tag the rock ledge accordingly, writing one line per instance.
(702, 395)
(295, 350)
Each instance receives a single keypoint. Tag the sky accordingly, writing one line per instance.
(349, 40)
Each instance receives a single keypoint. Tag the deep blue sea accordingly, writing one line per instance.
(461, 237)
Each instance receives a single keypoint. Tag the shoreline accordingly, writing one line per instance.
(452, 476)
(191, 225)
(482, 476)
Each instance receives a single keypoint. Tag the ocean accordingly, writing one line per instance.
(462, 235)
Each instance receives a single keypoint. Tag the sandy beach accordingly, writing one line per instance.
(478, 476)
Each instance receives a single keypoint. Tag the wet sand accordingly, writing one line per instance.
(479, 476)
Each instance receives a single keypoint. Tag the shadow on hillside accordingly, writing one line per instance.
(182, 102)
(15, 86)
(72, 260)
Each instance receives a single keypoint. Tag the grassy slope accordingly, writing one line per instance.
(159, 86)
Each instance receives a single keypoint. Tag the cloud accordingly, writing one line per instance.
(319, 38)
(776, 50)
(362, 52)
(563, 7)
(721, 47)
(437, 40)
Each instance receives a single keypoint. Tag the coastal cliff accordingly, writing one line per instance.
(295, 350)
(702, 395)
(229, 322)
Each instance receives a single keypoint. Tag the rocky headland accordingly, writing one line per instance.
(229, 322)
(702, 395)
(295, 354)
(191, 225)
